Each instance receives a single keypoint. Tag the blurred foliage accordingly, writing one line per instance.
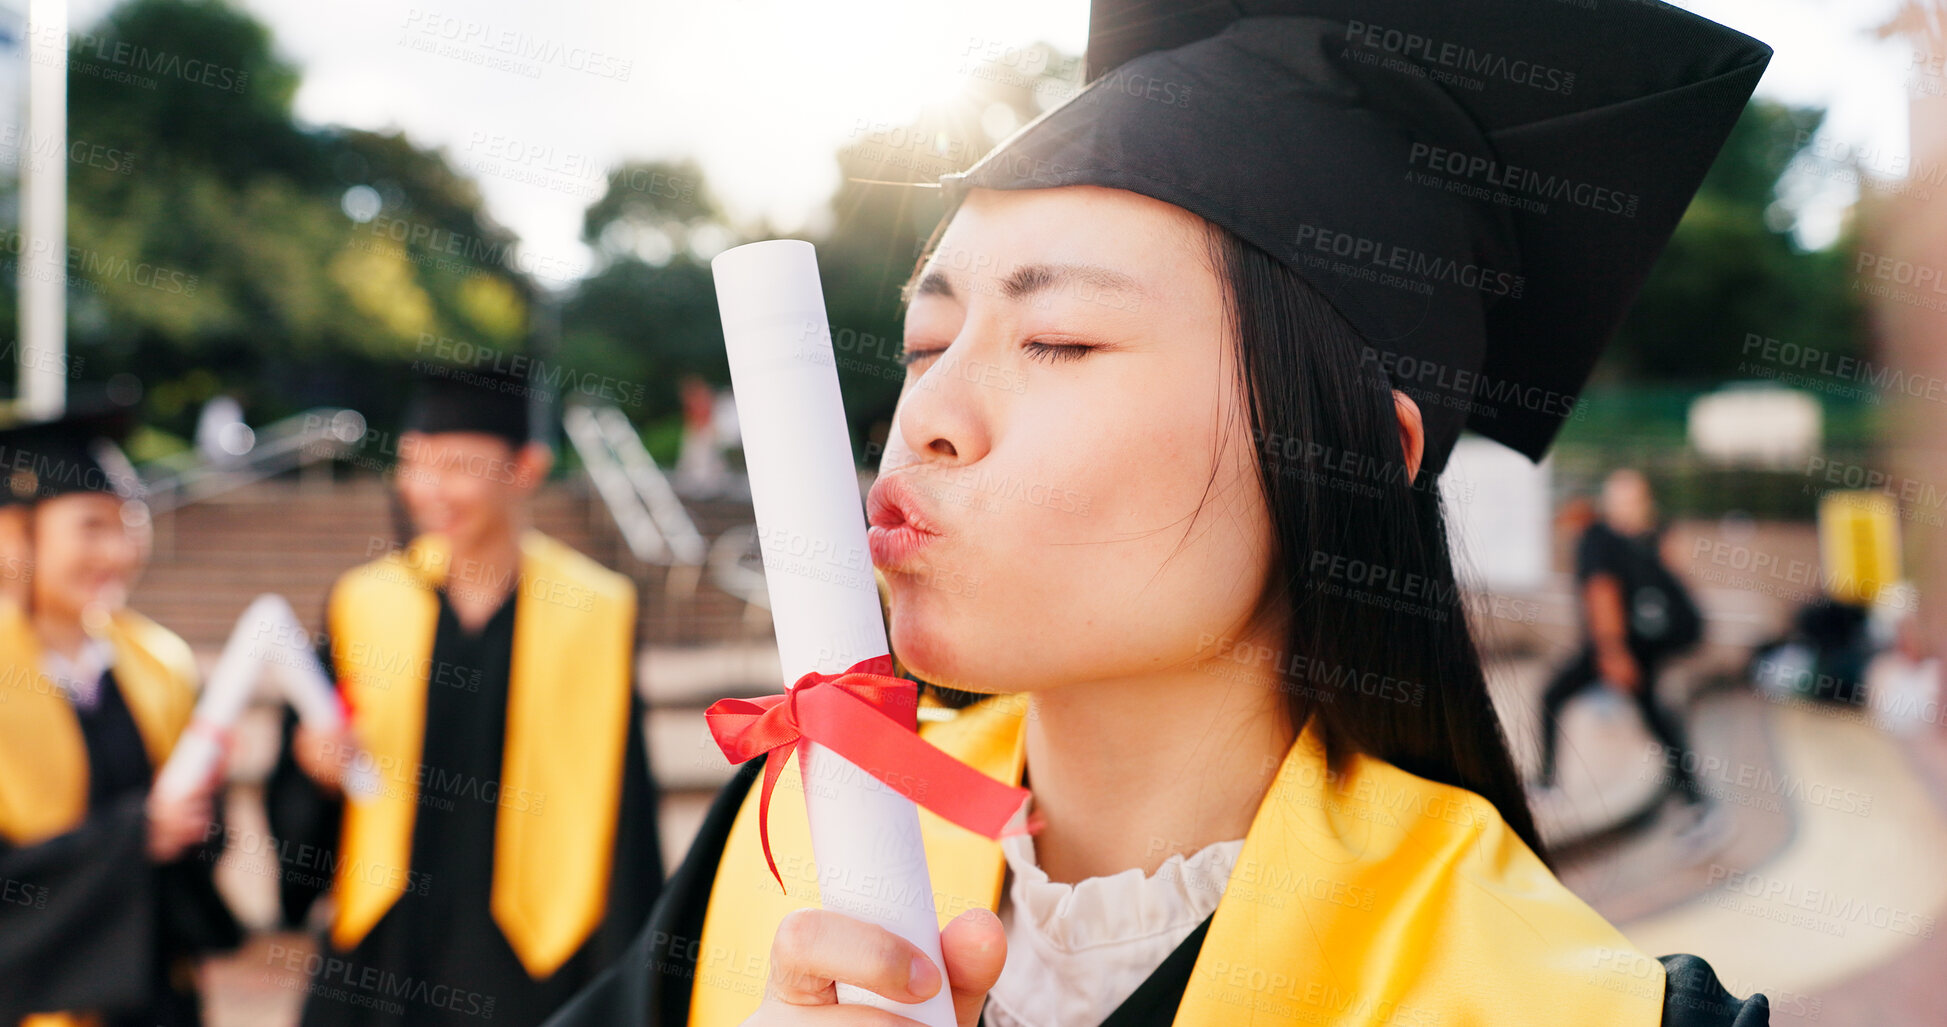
(1733, 270)
(211, 244)
(648, 313)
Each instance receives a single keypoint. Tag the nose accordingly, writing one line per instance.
(943, 417)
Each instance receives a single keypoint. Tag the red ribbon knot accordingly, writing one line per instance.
(871, 718)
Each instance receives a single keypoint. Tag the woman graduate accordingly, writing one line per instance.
(106, 890)
(1257, 277)
(511, 850)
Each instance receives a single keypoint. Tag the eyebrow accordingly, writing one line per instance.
(934, 284)
(1029, 279)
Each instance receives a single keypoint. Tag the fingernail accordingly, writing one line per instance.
(921, 978)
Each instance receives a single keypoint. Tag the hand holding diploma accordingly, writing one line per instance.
(845, 717)
(181, 818)
(816, 950)
(268, 639)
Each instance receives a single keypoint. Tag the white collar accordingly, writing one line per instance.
(1076, 952)
(80, 677)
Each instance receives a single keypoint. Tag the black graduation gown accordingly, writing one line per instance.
(437, 957)
(650, 985)
(87, 923)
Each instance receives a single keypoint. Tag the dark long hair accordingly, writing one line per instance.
(1363, 564)
(1377, 646)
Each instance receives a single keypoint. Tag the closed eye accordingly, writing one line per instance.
(1054, 353)
(1048, 351)
(908, 358)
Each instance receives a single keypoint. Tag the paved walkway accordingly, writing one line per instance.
(1825, 886)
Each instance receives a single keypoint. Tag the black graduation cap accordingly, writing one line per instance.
(490, 400)
(76, 452)
(1479, 189)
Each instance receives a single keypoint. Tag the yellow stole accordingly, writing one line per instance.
(1369, 897)
(567, 722)
(43, 756)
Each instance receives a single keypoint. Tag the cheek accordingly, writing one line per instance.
(1102, 544)
(1180, 531)
(1133, 473)
(121, 552)
(413, 486)
(102, 552)
(61, 570)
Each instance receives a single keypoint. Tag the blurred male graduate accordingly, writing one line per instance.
(504, 847)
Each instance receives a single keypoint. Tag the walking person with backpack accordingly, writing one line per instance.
(1636, 615)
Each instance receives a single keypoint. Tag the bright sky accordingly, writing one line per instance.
(761, 92)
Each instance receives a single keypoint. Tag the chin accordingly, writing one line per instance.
(916, 647)
(925, 647)
(112, 596)
(942, 652)
(74, 603)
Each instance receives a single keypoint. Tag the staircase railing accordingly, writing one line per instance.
(652, 520)
(313, 437)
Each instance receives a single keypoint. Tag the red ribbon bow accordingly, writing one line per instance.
(871, 718)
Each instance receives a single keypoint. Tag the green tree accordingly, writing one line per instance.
(887, 205)
(647, 316)
(212, 239)
(1733, 269)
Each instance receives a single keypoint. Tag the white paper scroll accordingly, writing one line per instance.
(268, 640)
(824, 602)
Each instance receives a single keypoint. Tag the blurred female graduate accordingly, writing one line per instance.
(106, 889)
(1256, 277)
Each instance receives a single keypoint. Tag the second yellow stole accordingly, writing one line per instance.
(567, 731)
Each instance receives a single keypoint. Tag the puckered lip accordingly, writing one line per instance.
(893, 502)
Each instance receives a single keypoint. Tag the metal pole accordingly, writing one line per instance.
(544, 319)
(42, 355)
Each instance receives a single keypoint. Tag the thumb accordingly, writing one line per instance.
(974, 946)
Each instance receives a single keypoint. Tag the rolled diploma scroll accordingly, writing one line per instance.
(308, 688)
(824, 602)
(267, 637)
